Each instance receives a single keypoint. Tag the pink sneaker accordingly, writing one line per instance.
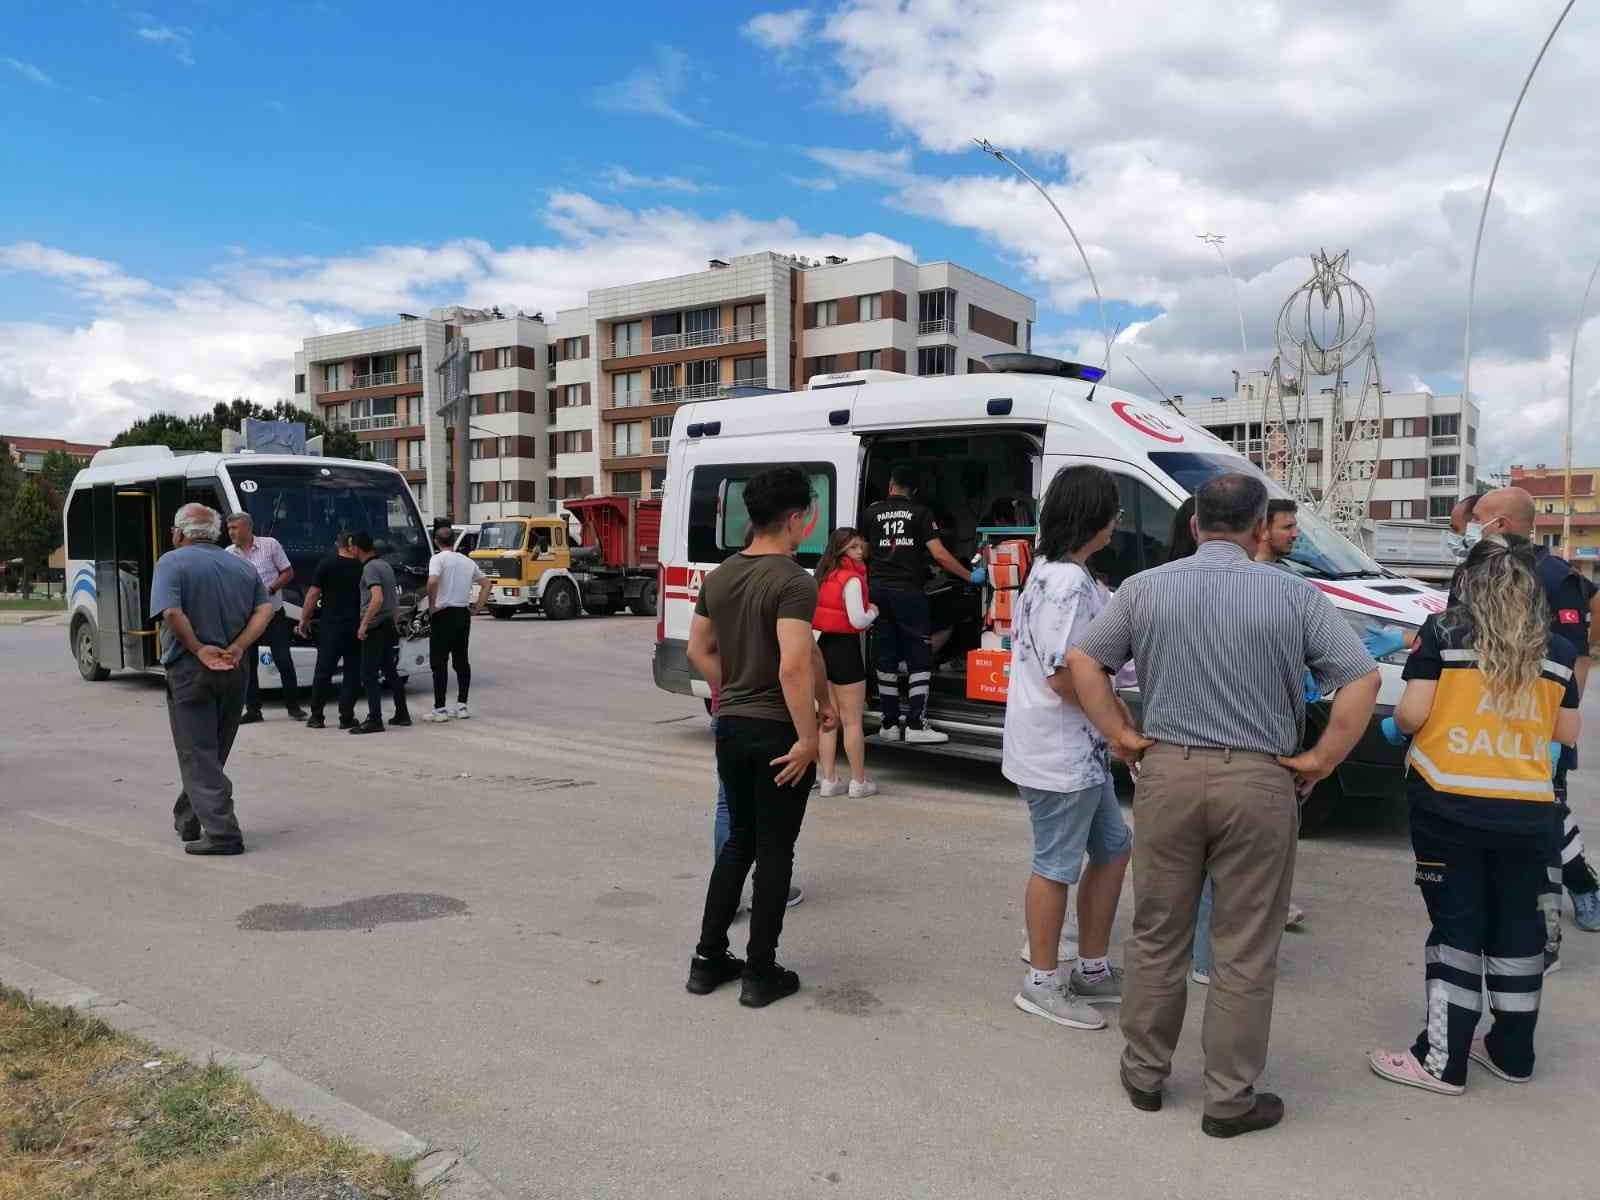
(1403, 1067)
(1480, 1055)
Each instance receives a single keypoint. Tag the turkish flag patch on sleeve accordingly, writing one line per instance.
(1569, 616)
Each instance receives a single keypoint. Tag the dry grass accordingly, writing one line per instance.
(83, 1114)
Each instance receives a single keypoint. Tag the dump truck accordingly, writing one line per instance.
(539, 566)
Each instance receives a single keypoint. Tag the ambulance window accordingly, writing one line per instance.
(1144, 537)
(719, 524)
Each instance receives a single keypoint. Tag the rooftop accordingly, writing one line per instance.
(36, 445)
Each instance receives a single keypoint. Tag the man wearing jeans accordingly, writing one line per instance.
(380, 640)
(751, 641)
(1224, 715)
(903, 538)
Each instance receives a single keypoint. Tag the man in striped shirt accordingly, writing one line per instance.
(1223, 644)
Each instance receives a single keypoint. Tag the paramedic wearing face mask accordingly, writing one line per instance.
(1571, 598)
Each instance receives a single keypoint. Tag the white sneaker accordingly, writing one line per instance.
(1295, 915)
(1058, 1004)
(439, 714)
(860, 791)
(888, 733)
(1066, 952)
(462, 712)
(922, 735)
(828, 788)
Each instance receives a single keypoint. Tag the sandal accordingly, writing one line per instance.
(1403, 1067)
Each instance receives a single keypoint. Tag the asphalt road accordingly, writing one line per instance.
(480, 931)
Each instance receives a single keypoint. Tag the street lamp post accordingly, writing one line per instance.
(499, 465)
(1215, 240)
(1572, 389)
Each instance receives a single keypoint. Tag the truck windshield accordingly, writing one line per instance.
(304, 506)
(501, 535)
(1319, 550)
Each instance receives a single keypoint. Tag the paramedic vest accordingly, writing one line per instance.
(832, 616)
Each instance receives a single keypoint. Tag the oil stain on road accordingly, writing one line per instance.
(365, 913)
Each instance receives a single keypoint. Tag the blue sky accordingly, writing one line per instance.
(188, 189)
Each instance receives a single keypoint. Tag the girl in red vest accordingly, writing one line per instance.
(842, 614)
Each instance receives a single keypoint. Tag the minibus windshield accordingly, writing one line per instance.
(1319, 550)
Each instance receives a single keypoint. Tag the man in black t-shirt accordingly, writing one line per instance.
(337, 584)
(902, 539)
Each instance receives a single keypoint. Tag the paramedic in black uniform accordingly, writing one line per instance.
(903, 539)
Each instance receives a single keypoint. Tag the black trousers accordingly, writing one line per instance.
(277, 640)
(447, 639)
(1482, 892)
(764, 822)
(901, 633)
(380, 655)
(338, 649)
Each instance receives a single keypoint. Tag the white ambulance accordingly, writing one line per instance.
(987, 443)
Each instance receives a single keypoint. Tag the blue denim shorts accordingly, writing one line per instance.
(1068, 825)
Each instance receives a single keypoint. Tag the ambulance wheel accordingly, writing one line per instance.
(85, 648)
(1317, 809)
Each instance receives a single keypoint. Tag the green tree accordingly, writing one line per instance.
(204, 431)
(59, 470)
(34, 529)
(10, 484)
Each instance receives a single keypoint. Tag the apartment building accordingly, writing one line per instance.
(1427, 460)
(1548, 486)
(28, 453)
(384, 385)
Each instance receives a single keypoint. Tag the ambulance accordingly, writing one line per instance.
(987, 444)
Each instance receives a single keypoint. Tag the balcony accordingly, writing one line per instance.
(1447, 440)
(550, 373)
(944, 325)
(668, 342)
(387, 458)
(378, 379)
(1443, 480)
(660, 445)
(366, 424)
(413, 374)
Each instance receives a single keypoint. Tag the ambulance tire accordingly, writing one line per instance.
(1318, 809)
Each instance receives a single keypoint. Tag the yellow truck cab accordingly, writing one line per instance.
(537, 567)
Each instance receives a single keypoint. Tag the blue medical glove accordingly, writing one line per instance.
(979, 576)
(1391, 732)
(1382, 641)
(1313, 691)
(1555, 756)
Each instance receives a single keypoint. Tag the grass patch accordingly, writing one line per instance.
(33, 604)
(87, 1112)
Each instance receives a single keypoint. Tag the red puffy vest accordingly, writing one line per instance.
(832, 616)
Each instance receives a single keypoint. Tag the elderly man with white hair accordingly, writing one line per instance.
(212, 607)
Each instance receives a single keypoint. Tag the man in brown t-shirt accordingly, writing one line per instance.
(751, 640)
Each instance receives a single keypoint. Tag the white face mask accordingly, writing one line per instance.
(1461, 544)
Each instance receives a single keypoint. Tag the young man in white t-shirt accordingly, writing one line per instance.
(450, 579)
(1058, 760)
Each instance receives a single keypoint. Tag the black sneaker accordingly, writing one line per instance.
(348, 722)
(251, 717)
(761, 988)
(402, 718)
(296, 712)
(206, 846)
(706, 975)
(1268, 1111)
(367, 727)
(316, 722)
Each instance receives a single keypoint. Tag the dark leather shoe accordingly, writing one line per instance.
(190, 830)
(316, 722)
(252, 717)
(1142, 1100)
(298, 713)
(761, 988)
(1268, 1111)
(348, 722)
(206, 846)
(706, 975)
(403, 718)
(368, 727)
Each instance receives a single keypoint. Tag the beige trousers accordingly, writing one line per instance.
(1234, 815)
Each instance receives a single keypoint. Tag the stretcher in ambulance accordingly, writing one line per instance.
(986, 444)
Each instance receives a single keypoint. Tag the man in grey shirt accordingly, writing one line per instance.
(212, 608)
(1223, 645)
(380, 640)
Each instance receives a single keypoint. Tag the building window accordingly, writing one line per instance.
(658, 480)
(870, 360)
(665, 325)
(827, 313)
(1407, 468)
(936, 360)
(1552, 541)
(627, 389)
(1472, 435)
(332, 377)
(572, 395)
(750, 372)
(1401, 510)
(870, 308)
(483, 406)
(1028, 345)
(1446, 425)
(1408, 427)
(1471, 475)
(478, 492)
(485, 448)
(1443, 466)
(1440, 506)
(627, 439)
(661, 388)
(299, 385)
(385, 450)
(700, 325)
(936, 311)
(572, 347)
(702, 378)
(475, 361)
(749, 321)
(414, 367)
(502, 402)
(505, 356)
(625, 483)
(627, 338)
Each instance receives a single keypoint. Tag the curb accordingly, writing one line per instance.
(25, 617)
(446, 1172)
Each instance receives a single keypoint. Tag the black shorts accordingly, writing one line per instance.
(841, 653)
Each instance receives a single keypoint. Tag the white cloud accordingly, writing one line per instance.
(878, 166)
(819, 183)
(1288, 131)
(29, 72)
(779, 30)
(620, 179)
(179, 40)
(651, 90)
(234, 331)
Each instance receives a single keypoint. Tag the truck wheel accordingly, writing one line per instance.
(560, 601)
(1317, 809)
(644, 604)
(502, 614)
(85, 648)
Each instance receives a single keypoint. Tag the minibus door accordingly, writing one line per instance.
(126, 533)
